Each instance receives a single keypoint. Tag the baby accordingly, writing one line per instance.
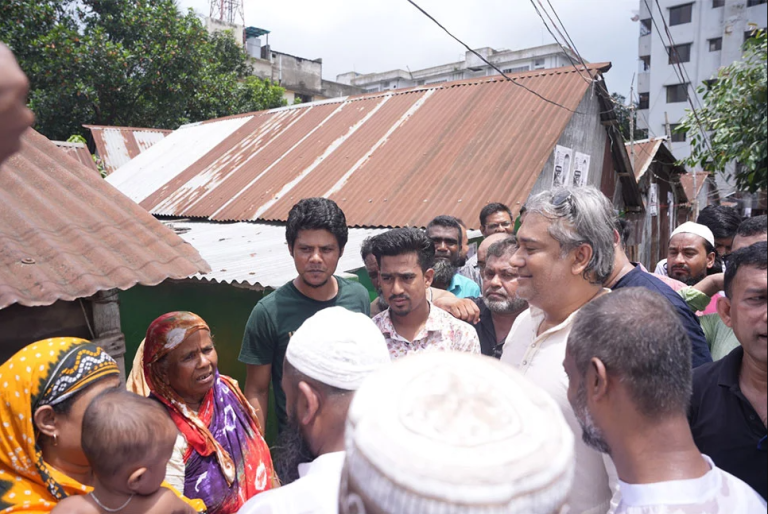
(128, 441)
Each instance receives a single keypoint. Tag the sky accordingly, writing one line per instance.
(369, 36)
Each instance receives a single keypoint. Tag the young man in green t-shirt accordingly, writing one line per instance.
(316, 233)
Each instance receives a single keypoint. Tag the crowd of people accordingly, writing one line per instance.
(547, 373)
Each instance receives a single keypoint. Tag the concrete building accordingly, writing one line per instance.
(706, 35)
(302, 78)
(509, 61)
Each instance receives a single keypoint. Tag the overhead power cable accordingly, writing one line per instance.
(546, 26)
(572, 44)
(486, 61)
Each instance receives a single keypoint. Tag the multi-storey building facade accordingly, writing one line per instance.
(705, 35)
(508, 61)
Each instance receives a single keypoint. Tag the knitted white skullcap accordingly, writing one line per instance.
(690, 227)
(338, 347)
(455, 433)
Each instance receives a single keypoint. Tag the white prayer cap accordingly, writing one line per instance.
(338, 347)
(690, 227)
(449, 432)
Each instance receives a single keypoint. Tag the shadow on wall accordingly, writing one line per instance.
(224, 307)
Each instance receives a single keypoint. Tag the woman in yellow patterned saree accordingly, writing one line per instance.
(44, 390)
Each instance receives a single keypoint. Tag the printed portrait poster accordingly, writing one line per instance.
(563, 158)
(653, 200)
(580, 172)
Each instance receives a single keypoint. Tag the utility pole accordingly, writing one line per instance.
(632, 123)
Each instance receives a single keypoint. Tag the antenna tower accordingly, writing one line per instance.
(230, 11)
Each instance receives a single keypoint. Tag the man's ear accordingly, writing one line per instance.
(597, 380)
(309, 403)
(581, 257)
(45, 420)
(429, 275)
(134, 481)
(724, 310)
(711, 259)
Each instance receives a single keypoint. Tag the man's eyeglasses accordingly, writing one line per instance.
(561, 198)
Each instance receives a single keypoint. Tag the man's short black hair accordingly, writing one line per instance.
(399, 241)
(366, 248)
(722, 221)
(493, 208)
(316, 214)
(753, 226)
(624, 228)
(502, 247)
(446, 222)
(754, 255)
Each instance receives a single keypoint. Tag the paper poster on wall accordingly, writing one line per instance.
(580, 170)
(672, 217)
(563, 158)
(653, 200)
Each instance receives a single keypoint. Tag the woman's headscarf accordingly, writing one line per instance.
(224, 438)
(47, 372)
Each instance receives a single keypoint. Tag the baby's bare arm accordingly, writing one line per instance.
(75, 505)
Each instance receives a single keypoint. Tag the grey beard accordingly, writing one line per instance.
(291, 449)
(590, 433)
(507, 306)
(444, 272)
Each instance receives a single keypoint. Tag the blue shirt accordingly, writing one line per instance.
(462, 287)
(699, 347)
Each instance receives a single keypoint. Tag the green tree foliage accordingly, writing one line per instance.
(127, 62)
(736, 115)
(623, 115)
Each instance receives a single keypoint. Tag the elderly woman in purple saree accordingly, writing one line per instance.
(220, 456)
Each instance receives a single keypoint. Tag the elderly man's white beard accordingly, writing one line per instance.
(508, 306)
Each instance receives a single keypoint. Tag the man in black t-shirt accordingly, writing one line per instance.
(316, 233)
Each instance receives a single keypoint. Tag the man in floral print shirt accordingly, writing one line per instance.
(411, 323)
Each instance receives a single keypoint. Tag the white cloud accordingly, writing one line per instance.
(379, 35)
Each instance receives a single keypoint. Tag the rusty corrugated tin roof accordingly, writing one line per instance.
(78, 152)
(118, 145)
(65, 233)
(686, 180)
(395, 158)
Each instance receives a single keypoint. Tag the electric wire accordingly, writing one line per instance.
(462, 43)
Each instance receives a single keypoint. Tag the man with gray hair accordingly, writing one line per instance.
(326, 361)
(565, 255)
(627, 360)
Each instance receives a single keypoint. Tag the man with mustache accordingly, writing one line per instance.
(499, 306)
(327, 360)
(446, 234)
(316, 233)
(690, 255)
(728, 413)
(629, 383)
(412, 324)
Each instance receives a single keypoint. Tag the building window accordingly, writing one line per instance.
(677, 137)
(716, 44)
(538, 64)
(677, 93)
(516, 69)
(645, 100)
(680, 14)
(645, 27)
(717, 3)
(749, 34)
(752, 3)
(679, 53)
(646, 60)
